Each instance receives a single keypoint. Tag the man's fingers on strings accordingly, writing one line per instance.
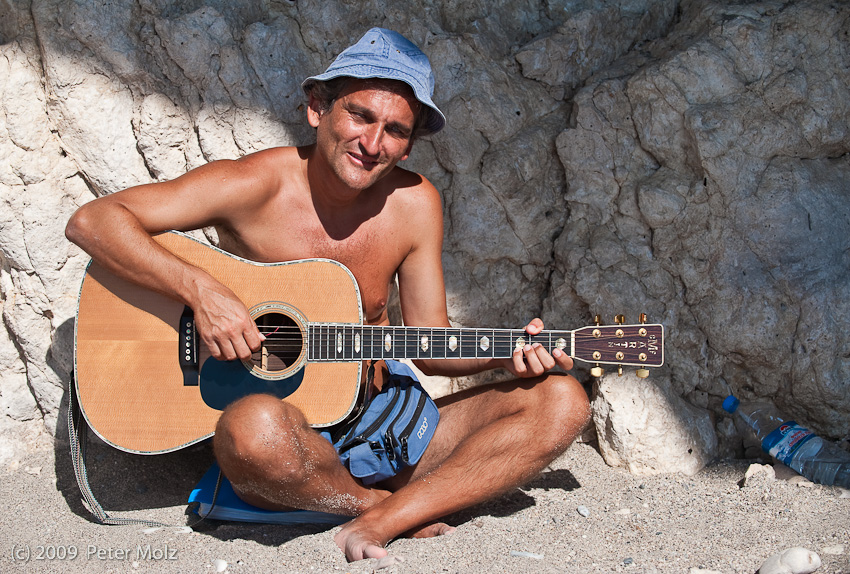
(533, 360)
(546, 360)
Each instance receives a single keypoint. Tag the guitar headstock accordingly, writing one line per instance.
(640, 345)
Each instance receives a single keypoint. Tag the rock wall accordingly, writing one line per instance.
(684, 159)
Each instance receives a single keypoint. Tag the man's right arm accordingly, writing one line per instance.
(116, 231)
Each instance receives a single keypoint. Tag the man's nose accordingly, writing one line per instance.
(370, 139)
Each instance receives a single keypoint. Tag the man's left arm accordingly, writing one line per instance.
(422, 295)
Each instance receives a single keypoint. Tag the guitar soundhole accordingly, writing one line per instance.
(283, 345)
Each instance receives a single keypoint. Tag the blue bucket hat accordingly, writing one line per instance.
(385, 54)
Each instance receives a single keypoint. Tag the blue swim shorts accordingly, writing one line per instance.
(392, 432)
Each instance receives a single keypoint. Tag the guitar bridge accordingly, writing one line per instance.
(188, 351)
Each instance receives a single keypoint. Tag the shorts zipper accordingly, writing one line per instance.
(411, 425)
(388, 436)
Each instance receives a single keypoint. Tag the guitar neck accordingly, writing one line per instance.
(639, 345)
(341, 342)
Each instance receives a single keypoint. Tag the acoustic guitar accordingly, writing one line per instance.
(147, 385)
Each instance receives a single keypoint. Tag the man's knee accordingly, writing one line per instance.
(254, 433)
(564, 409)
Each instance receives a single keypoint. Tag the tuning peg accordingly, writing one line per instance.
(642, 373)
(597, 319)
(643, 317)
(620, 319)
(619, 370)
(597, 371)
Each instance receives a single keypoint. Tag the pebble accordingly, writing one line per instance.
(219, 565)
(836, 550)
(583, 511)
(795, 560)
(759, 475)
(522, 554)
(801, 481)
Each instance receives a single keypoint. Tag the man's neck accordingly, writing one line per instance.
(329, 194)
(340, 209)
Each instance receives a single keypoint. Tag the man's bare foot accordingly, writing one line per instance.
(357, 543)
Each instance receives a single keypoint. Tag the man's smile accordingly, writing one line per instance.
(364, 161)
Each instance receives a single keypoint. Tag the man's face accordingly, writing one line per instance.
(367, 130)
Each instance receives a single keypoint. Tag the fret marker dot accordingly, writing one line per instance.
(453, 343)
(423, 343)
(484, 343)
(388, 342)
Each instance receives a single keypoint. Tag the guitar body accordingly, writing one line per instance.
(131, 386)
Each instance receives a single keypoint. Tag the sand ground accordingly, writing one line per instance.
(662, 524)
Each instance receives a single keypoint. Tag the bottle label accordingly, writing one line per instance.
(783, 442)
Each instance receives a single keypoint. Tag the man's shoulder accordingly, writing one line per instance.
(407, 181)
(274, 154)
(413, 197)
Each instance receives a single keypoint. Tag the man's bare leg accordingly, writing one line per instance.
(275, 460)
(489, 440)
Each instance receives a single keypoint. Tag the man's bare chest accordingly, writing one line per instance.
(372, 257)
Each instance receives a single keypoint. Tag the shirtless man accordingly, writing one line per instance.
(345, 199)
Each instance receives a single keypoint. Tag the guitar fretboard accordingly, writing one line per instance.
(342, 342)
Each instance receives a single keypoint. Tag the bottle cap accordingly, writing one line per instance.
(730, 404)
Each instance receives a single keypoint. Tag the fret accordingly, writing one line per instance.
(411, 343)
(375, 348)
(468, 345)
(503, 344)
(366, 342)
(396, 342)
(319, 348)
(350, 332)
(328, 343)
(439, 340)
(347, 343)
(400, 342)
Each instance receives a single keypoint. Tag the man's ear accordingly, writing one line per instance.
(314, 111)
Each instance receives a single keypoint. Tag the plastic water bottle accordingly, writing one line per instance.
(801, 449)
